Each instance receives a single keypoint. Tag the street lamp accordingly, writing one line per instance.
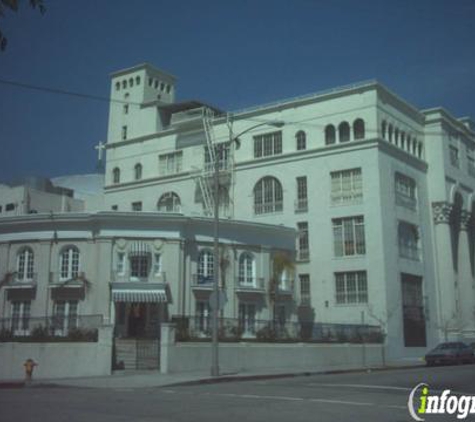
(233, 139)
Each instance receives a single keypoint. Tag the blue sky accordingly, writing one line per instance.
(232, 54)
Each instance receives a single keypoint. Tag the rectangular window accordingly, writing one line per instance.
(221, 152)
(349, 236)
(157, 264)
(405, 188)
(139, 266)
(137, 206)
(203, 317)
(454, 156)
(301, 204)
(304, 289)
(124, 133)
(114, 207)
(268, 144)
(121, 263)
(170, 163)
(65, 316)
(351, 287)
(126, 109)
(9, 207)
(247, 318)
(303, 243)
(408, 241)
(470, 163)
(21, 318)
(346, 186)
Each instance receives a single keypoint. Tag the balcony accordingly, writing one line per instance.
(126, 277)
(13, 279)
(301, 205)
(250, 285)
(60, 278)
(284, 289)
(202, 282)
(408, 252)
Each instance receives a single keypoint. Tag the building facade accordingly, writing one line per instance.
(381, 193)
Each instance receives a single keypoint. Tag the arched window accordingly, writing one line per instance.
(268, 196)
(131, 82)
(358, 129)
(247, 270)
(396, 136)
(124, 84)
(330, 135)
(117, 86)
(409, 143)
(414, 146)
(301, 139)
(25, 265)
(116, 175)
(403, 139)
(344, 132)
(138, 171)
(169, 202)
(419, 151)
(205, 267)
(223, 202)
(137, 80)
(390, 133)
(69, 263)
(384, 126)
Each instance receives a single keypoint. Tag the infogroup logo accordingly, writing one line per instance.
(421, 403)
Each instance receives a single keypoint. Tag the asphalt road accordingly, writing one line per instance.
(373, 396)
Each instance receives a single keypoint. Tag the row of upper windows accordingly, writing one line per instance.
(162, 86)
(401, 139)
(346, 188)
(68, 264)
(127, 83)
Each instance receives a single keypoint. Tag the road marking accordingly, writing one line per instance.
(354, 403)
(375, 387)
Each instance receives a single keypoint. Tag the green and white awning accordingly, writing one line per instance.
(139, 296)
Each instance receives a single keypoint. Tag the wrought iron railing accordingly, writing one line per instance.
(69, 327)
(248, 328)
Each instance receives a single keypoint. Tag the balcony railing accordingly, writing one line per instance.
(406, 201)
(126, 277)
(12, 278)
(249, 328)
(351, 197)
(301, 205)
(58, 277)
(246, 284)
(269, 207)
(409, 252)
(201, 281)
(74, 327)
(303, 254)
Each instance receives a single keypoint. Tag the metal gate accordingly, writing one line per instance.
(148, 354)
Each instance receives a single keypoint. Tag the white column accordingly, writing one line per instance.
(445, 280)
(167, 342)
(465, 283)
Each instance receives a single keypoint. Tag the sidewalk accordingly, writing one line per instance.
(150, 379)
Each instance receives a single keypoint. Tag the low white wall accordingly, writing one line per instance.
(58, 360)
(242, 357)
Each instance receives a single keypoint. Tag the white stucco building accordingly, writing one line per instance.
(380, 192)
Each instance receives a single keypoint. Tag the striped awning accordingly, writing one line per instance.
(139, 296)
(139, 248)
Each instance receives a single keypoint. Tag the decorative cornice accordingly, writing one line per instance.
(442, 212)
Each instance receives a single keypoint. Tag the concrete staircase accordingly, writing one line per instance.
(126, 353)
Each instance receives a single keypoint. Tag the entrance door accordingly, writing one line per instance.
(413, 311)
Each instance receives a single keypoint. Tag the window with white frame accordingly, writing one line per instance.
(268, 196)
(170, 163)
(222, 153)
(121, 262)
(454, 156)
(351, 287)
(304, 289)
(205, 267)
(157, 264)
(247, 270)
(247, 318)
(408, 241)
(301, 204)
(65, 316)
(268, 144)
(21, 317)
(303, 253)
(137, 206)
(25, 265)
(169, 202)
(116, 175)
(406, 192)
(349, 236)
(138, 171)
(346, 186)
(139, 266)
(203, 316)
(69, 263)
(301, 139)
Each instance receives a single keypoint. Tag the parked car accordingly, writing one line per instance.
(450, 352)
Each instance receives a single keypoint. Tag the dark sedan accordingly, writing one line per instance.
(450, 352)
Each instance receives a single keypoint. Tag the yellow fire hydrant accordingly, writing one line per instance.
(29, 366)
